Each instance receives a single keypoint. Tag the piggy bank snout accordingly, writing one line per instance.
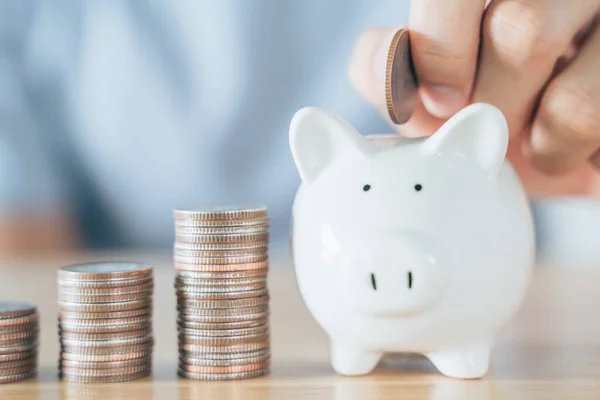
(395, 276)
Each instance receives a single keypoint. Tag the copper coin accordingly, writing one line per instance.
(250, 358)
(220, 260)
(190, 335)
(105, 307)
(221, 268)
(78, 291)
(222, 377)
(6, 371)
(252, 273)
(106, 378)
(146, 311)
(105, 329)
(103, 336)
(104, 322)
(228, 320)
(249, 302)
(19, 335)
(105, 365)
(235, 357)
(188, 339)
(18, 342)
(225, 324)
(106, 357)
(103, 299)
(231, 238)
(400, 79)
(25, 320)
(11, 329)
(108, 350)
(14, 309)
(31, 362)
(145, 339)
(18, 356)
(119, 283)
(221, 213)
(18, 377)
(100, 271)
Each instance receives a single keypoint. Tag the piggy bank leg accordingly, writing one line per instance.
(348, 359)
(468, 362)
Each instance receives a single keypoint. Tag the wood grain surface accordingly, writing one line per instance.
(550, 350)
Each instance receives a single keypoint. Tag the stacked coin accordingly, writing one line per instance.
(105, 322)
(221, 258)
(18, 341)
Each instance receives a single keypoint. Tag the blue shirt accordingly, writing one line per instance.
(124, 110)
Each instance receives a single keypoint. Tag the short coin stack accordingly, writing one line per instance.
(18, 341)
(221, 258)
(105, 322)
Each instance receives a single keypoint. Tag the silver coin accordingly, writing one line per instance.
(249, 323)
(19, 348)
(76, 328)
(105, 307)
(202, 316)
(222, 295)
(208, 303)
(198, 331)
(257, 251)
(185, 223)
(13, 309)
(18, 377)
(105, 271)
(105, 378)
(224, 230)
(105, 365)
(107, 350)
(231, 238)
(221, 260)
(145, 311)
(219, 289)
(222, 377)
(148, 338)
(222, 275)
(189, 339)
(182, 281)
(220, 212)
(220, 246)
(117, 283)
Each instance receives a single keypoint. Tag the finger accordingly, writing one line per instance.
(444, 39)
(522, 40)
(566, 131)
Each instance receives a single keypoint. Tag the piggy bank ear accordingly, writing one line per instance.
(318, 137)
(478, 132)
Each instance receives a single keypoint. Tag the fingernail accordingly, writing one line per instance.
(442, 101)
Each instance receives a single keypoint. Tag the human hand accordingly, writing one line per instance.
(538, 61)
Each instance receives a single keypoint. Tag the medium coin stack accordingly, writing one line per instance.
(105, 322)
(18, 341)
(221, 258)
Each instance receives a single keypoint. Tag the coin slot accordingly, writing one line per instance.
(410, 280)
(373, 282)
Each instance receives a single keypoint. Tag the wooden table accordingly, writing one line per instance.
(551, 349)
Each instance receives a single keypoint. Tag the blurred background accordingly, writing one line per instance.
(112, 113)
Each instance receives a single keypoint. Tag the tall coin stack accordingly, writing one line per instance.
(221, 258)
(105, 322)
(18, 341)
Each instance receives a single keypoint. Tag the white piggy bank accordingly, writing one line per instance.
(410, 245)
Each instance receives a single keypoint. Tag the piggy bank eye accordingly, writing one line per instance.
(366, 188)
(418, 187)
